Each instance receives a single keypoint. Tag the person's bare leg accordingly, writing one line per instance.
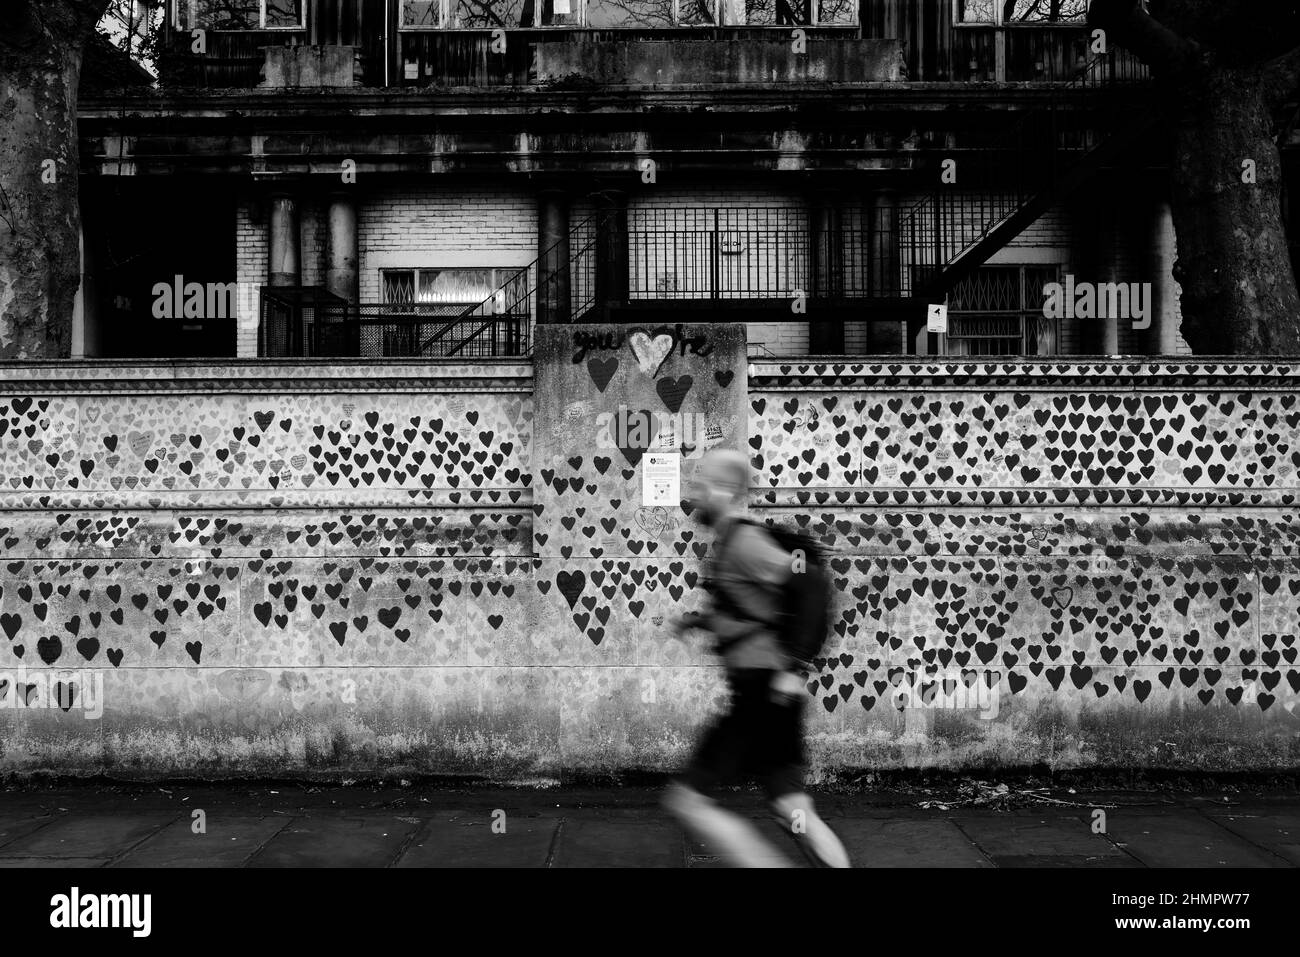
(736, 841)
(797, 815)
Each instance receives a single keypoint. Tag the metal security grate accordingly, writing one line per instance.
(997, 311)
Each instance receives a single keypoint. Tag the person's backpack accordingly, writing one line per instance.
(804, 616)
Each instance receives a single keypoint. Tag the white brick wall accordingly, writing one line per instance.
(251, 255)
(442, 226)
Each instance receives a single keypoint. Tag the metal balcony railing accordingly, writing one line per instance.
(848, 251)
(307, 322)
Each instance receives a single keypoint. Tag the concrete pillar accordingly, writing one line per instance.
(885, 267)
(611, 253)
(884, 243)
(1162, 338)
(825, 269)
(342, 257)
(285, 265)
(335, 335)
(79, 304)
(553, 256)
(1109, 271)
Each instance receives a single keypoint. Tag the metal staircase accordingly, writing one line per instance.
(564, 292)
(1086, 124)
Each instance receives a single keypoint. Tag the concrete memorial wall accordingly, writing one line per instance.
(258, 569)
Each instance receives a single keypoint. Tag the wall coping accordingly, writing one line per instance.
(884, 373)
(233, 376)
(876, 373)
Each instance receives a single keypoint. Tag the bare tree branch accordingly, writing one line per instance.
(1282, 77)
(1127, 23)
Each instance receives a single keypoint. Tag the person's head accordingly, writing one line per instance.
(719, 485)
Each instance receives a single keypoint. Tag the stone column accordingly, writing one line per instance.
(79, 310)
(553, 256)
(342, 257)
(342, 277)
(885, 268)
(285, 265)
(284, 333)
(611, 291)
(825, 269)
(1109, 271)
(1162, 338)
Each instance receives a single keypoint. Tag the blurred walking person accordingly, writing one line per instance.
(767, 613)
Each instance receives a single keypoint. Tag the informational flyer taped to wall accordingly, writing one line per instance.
(661, 478)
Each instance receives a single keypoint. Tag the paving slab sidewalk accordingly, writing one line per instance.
(312, 826)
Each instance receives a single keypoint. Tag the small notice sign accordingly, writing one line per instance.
(936, 318)
(661, 478)
(561, 8)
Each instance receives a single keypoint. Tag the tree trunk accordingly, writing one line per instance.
(40, 260)
(1239, 290)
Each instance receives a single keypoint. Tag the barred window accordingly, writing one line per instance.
(998, 311)
(427, 286)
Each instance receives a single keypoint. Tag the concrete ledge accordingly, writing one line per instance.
(315, 376)
(901, 374)
(662, 63)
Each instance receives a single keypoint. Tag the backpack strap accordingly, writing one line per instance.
(720, 594)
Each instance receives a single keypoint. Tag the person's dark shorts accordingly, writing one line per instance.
(755, 738)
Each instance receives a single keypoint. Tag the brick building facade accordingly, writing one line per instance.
(392, 178)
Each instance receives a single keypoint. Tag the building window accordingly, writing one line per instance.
(241, 14)
(836, 13)
(981, 12)
(697, 13)
(1045, 11)
(440, 287)
(991, 13)
(628, 14)
(422, 14)
(622, 14)
(498, 14)
(999, 312)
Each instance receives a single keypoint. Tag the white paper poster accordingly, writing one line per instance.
(661, 478)
(937, 319)
(561, 7)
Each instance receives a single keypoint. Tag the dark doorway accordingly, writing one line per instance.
(142, 232)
